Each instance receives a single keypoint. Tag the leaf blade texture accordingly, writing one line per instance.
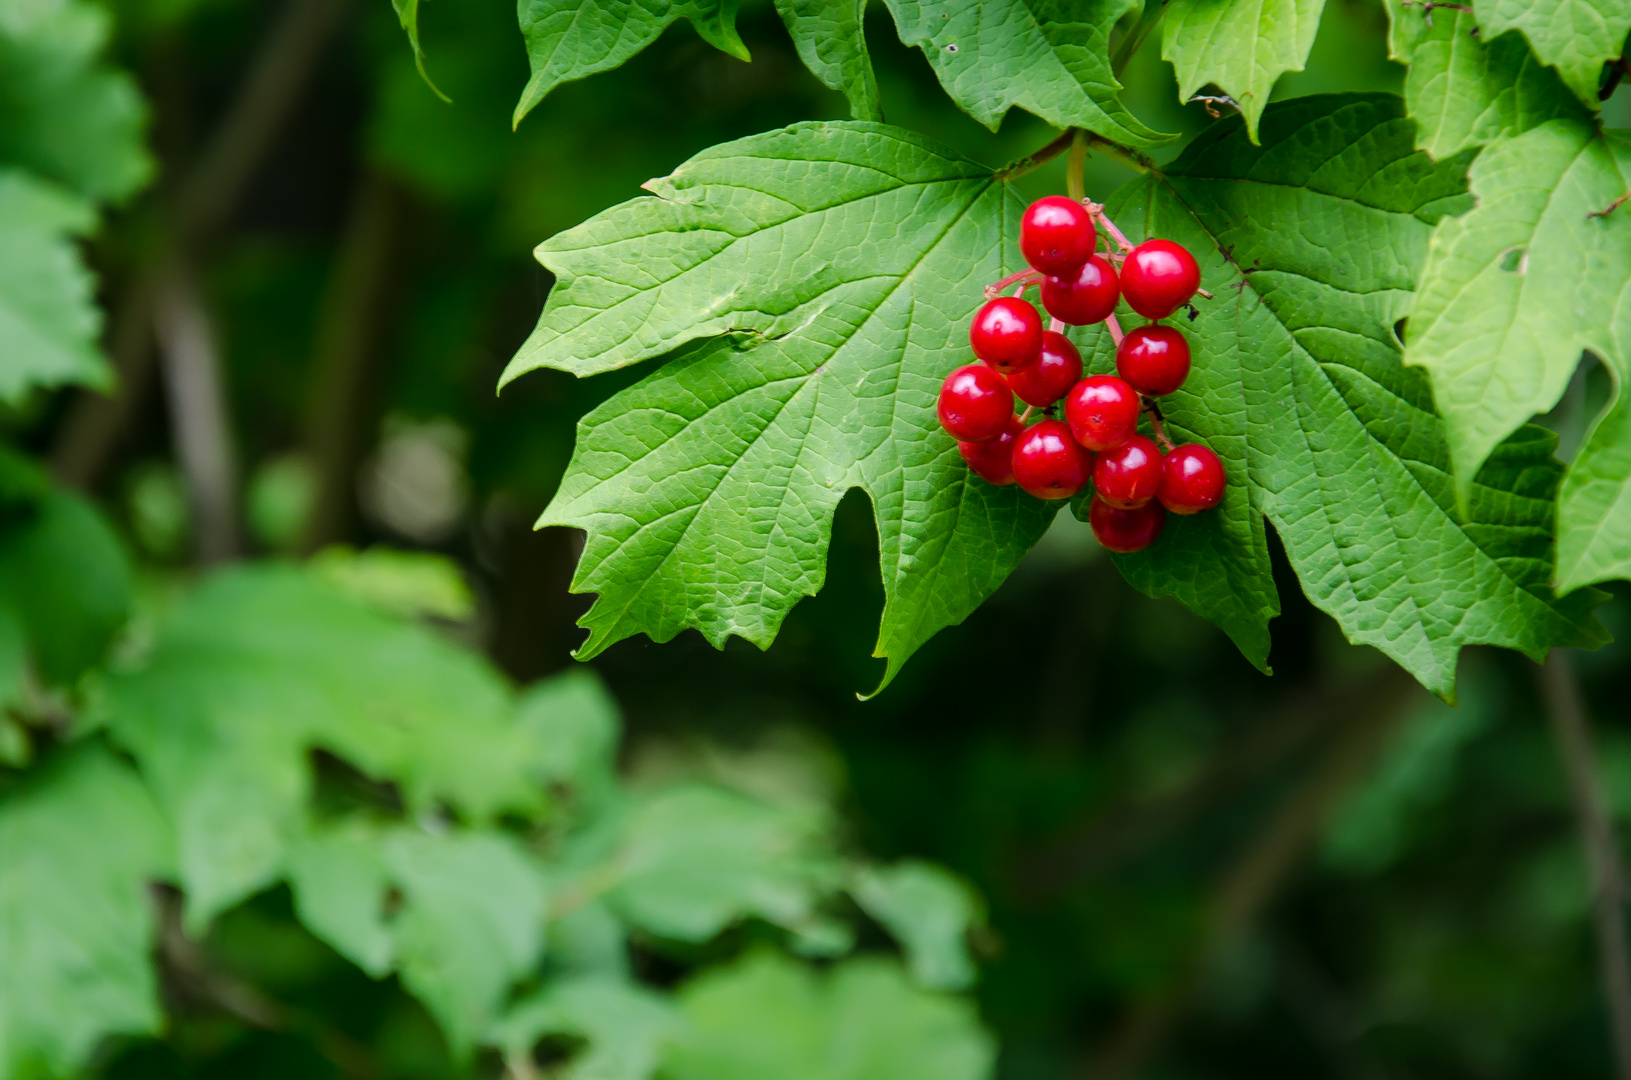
(1240, 46)
(1574, 36)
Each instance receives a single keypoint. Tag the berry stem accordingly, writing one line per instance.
(993, 290)
(1203, 292)
(1056, 325)
(1097, 210)
(1155, 422)
(1025, 416)
(1074, 186)
(1114, 327)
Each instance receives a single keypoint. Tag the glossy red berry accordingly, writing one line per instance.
(1154, 359)
(1102, 412)
(1086, 296)
(993, 461)
(1126, 531)
(1192, 480)
(1129, 475)
(1056, 234)
(1158, 278)
(1048, 463)
(975, 404)
(1007, 333)
(1051, 377)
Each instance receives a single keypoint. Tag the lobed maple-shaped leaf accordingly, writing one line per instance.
(80, 841)
(830, 37)
(835, 267)
(257, 668)
(1511, 294)
(572, 39)
(1575, 36)
(1049, 57)
(1240, 46)
(49, 322)
(1310, 244)
(1463, 92)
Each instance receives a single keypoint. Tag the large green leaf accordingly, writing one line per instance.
(830, 36)
(48, 320)
(79, 843)
(260, 666)
(469, 925)
(838, 265)
(1049, 57)
(571, 39)
(63, 114)
(1239, 46)
(1299, 387)
(1510, 296)
(1463, 92)
(767, 1018)
(1575, 36)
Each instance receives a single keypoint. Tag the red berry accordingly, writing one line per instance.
(1052, 376)
(1126, 531)
(1007, 333)
(1056, 234)
(975, 404)
(1191, 480)
(1102, 411)
(993, 461)
(1154, 359)
(1129, 475)
(1158, 278)
(1048, 463)
(1085, 296)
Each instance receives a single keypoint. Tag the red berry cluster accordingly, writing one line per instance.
(1134, 483)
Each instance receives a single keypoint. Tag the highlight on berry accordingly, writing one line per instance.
(1083, 269)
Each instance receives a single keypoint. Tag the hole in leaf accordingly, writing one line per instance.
(952, 47)
(1515, 260)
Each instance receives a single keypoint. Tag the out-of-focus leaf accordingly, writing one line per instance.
(469, 925)
(1239, 46)
(1511, 294)
(1461, 91)
(405, 583)
(575, 725)
(48, 320)
(570, 39)
(831, 40)
(259, 666)
(79, 843)
(1575, 36)
(694, 859)
(1049, 57)
(63, 114)
(407, 13)
(768, 1018)
(929, 911)
(625, 1025)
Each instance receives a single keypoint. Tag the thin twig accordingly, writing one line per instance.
(1566, 712)
(1155, 422)
(1212, 101)
(1427, 7)
(1611, 207)
(994, 290)
(1047, 153)
(1074, 185)
(1097, 210)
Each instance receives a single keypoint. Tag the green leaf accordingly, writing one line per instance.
(1239, 46)
(1049, 57)
(407, 13)
(626, 1026)
(694, 859)
(406, 583)
(768, 1018)
(830, 36)
(49, 322)
(259, 666)
(572, 39)
(843, 260)
(1575, 36)
(1298, 376)
(79, 843)
(470, 923)
(1511, 294)
(576, 726)
(1463, 93)
(63, 114)
(65, 579)
(930, 911)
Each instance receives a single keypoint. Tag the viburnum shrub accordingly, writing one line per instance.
(1053, 460)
